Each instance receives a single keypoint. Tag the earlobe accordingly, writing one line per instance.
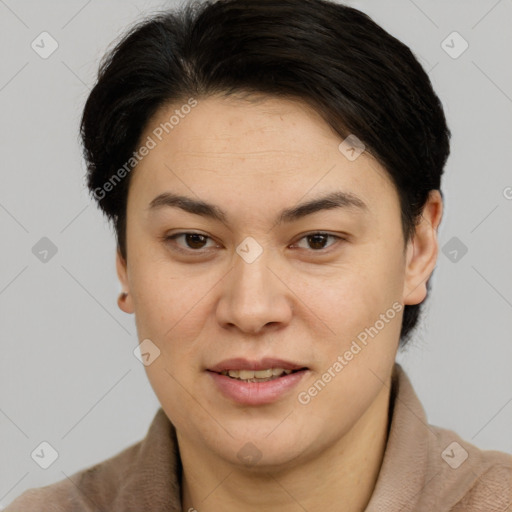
(124, 301)
(422, 251)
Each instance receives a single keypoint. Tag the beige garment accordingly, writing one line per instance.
(423, 470)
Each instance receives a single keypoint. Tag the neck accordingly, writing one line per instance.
(340, 478)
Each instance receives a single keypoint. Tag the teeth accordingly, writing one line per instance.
(256, 376)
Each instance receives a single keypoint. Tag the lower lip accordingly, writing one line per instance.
(256, 393)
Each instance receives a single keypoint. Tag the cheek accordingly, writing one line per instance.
(172, 305)
(359, 303)
(166, 307)
(353, 295)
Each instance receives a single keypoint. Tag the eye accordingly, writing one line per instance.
(194, 242)
(317, 241)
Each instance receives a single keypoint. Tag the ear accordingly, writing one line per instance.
(125, 302)
(422, 251)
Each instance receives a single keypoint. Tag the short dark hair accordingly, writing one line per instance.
(358, 77)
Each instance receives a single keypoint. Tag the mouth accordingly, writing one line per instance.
(257, 382)
(258, 375)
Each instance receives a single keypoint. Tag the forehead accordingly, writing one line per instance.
(275, 148)
(259, 126)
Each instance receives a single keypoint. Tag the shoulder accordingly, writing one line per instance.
(433, 468)
(144, 476)
(470, 478)
(88, 490)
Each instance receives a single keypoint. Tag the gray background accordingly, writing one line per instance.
(68, 374)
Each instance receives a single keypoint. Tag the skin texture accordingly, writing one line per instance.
(297, 301)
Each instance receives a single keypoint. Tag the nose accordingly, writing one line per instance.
(255, 296)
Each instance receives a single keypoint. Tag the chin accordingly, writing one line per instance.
(261, 451)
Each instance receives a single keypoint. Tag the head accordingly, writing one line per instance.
(272, 170)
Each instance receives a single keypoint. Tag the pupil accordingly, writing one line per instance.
(315, 245)
(190, 236)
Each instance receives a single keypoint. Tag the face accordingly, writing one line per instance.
(256, 280)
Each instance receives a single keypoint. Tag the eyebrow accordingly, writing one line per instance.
(337, 199)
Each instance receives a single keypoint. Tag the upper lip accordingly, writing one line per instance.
(240, 363)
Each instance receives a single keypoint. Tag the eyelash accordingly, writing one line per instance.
(170, 238)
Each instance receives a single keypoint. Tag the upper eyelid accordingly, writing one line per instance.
(167, 238)
(311, 233)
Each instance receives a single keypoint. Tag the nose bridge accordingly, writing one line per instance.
(250, 273)
(253, 296)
